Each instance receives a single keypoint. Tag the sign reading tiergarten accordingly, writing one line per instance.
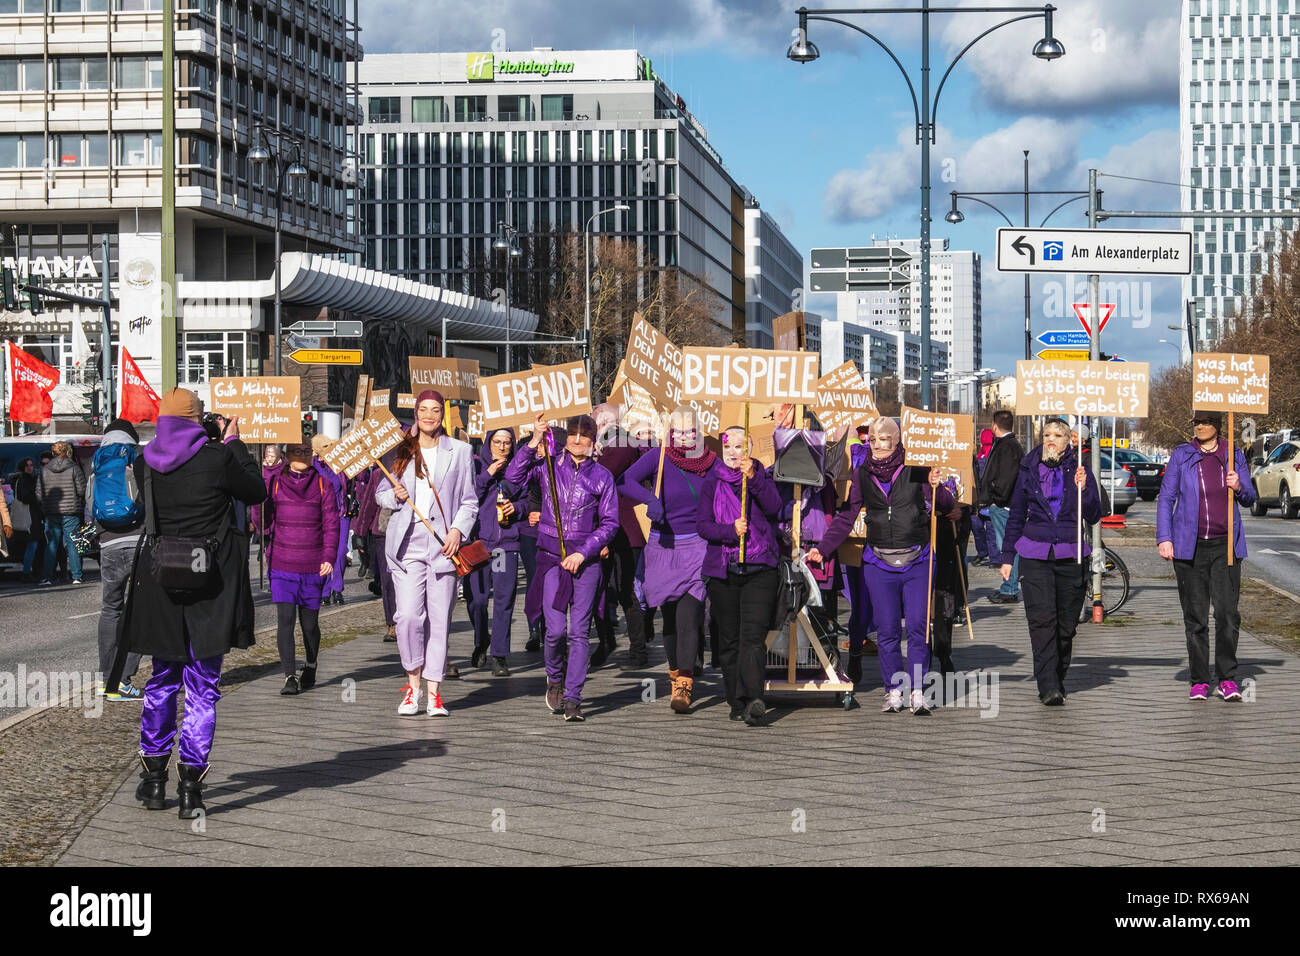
(485, 66)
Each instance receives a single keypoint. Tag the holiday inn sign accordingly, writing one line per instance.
(485, 66)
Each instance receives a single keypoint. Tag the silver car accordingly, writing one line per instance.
(1121, 486)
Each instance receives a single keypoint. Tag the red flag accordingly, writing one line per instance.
(30, 382)
(139, 401)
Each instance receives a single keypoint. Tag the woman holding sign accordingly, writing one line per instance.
(500, 515)
(435, 475)
(1042, 530)
(895, 562)
(1198, 480)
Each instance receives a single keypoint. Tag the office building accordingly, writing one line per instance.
(875, 351)
(773, 275)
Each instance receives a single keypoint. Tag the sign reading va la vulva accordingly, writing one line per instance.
(750, 375)
(556, 391)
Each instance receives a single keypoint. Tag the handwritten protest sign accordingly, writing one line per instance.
(405, 401)
(788, 332)
(843, 398)
(363, 395)
(1110, 389)
(558, 391)
(364, 443)
(638, 405)
(269, 408)
(379, 398)
(754, 375)
(455, 379)
(945, 442)
(1230, 382)
(654, 363)
(474, 421)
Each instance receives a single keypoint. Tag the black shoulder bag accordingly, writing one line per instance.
(181, 566)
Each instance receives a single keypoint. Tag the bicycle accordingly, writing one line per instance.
(1114, 584)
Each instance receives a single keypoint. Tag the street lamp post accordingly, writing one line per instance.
(802, 50)
(507, 241)
(586, 257)
(286, 154)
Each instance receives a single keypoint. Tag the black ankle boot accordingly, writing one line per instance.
(190, 790)
(152, 791)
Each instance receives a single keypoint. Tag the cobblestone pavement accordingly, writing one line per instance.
(1128, 773)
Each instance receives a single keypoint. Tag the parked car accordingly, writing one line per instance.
(1277, 481)
(1149, 473)
(1122, 487)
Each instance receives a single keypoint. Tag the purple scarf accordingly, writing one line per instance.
(691, 462)
(726, 499)
(1052, 482)
(175, 442)
(883, 469)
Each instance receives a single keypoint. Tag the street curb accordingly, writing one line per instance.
(1274, 588)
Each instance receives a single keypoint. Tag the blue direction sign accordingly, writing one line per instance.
(1064, 339)
(1116, 358)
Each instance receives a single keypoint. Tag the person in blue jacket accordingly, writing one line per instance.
(1042, 531)
(1197, 481)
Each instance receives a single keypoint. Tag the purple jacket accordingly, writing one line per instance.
(679, 497)
(1180, 501)
(255, 512)
(488, 529)
(1031, 515)
(588, 502)
(724, 543)
(303, 521)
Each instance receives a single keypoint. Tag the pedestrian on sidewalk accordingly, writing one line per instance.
(898, 499)
(62, 490)
(742, 595)
(1042, 531)
(190, 486)
(373, 521)
(584, 498)
(23, 482)
(320, 446)
(301, 514)
(435, 474)
(272, 464)
(979, 516)
(116, 490)
(996, 484)
(1197, 481)
(500, 513)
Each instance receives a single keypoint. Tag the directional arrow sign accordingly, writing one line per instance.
(1109, 251)
(326, 356)
(1064, 339)
(1064, 355)
(1084, 311)
(333, 330)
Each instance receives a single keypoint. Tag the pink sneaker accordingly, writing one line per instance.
(1199, 692)
(1228, 690)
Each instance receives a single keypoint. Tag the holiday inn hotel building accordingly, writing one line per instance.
(454, 143)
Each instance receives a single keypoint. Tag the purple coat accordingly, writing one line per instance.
(1031, 515)
(303, 521)
(724, 543)
(679, 496)
(488, 530)
(588, 502)
(1180, 502)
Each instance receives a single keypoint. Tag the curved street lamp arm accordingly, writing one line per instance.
(989, 204)
(916, 110)
(1061, 206)
(934, 111)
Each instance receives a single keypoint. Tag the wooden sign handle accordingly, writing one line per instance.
(929, 585)
(1078, 525)
(659, 478)
(744, 486)
(965, 599)
(1232, 462)
(555, 503)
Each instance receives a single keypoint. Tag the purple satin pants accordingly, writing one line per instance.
(340, 558)
(158, 721)
(570, 629)
(896, 595)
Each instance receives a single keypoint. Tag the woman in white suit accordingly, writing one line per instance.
(436, 473)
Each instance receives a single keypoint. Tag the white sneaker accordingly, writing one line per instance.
(918, 704)
(893, 702)
(410, 705)
(435, 708)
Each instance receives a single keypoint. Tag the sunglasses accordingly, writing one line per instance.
(1204, 421)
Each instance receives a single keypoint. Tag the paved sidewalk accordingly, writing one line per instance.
(1128, 773)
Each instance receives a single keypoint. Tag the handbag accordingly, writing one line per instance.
(472, 555)
(180, 565)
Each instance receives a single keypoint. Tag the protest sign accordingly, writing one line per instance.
(362, 397)
(454, 379)
(365, 443)
(753, 375)
(379, 398)
(1230, 382)
(474, 421)
(944, 442)
(405, 402)
(654, 364)
(1109, 389)
(788, 332)
(843, 399)
(558, 391)
(638, 405)
(268, 407)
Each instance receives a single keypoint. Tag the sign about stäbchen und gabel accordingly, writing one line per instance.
(750, 375)
(269, 408)
(1229, 382)
(556, 391)
(1109, 389)
(456, 380)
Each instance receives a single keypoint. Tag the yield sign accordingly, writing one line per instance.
(1084, 309)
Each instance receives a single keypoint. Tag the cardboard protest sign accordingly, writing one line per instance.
(455, 379)
(1230, 382)
(365, 443)
(474, 421)
(788, 332)
(654, 363)
(843, 398)
(363, 396)
(1110, 389)
(558, 391)
(269, 408)
(945, 442)
(638, 405)
(763, 438)
(405, 401)
(753, 375)
(379, 398)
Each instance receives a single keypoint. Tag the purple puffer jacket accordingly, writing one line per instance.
(303, 521)
(588, 502)
(488, 529)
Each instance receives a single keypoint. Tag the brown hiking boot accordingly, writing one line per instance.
(681, 700)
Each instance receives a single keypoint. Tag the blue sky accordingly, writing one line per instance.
(827, 147)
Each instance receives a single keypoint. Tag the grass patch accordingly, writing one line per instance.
(1270, 616)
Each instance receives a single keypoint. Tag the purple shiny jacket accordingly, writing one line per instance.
(587, 499)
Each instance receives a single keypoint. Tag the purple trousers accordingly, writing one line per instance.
(569, 627)
(340, 558)
(498, 581)
(860, 618)
(895, 595)
(426, 600)
(379, 565)
(533, 599)
(158, 721)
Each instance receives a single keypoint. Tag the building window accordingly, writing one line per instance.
(514, 109)
(81, 149)
(428, 109)
(138, 149)
(557, 107)
(385, 109)
(24, 151)
(471, 109)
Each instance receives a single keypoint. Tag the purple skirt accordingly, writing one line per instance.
(289, 587)
(672, 573)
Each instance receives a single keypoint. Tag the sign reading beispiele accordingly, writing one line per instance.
(753, 375)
